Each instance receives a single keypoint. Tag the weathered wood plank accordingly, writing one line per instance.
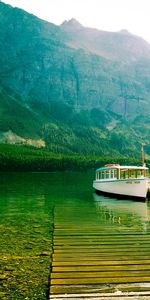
(99, 258)
(98, 250)
(96, 232)
(130, 290)
(101, 263)
(98, 297)
(99, 280)
(102, 274)
(102, 253)
(86, 297)
(101, 243)
(101, 238)
(100, 289)
(97, 229)
(105, 252)
(100, 268)
(113, 247)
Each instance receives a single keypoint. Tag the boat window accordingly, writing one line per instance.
(140, 173)
(112, 173)
(147, 173)
(124, 174)
(107, 174)
(132, 173)
(115, 173)
(98, 175)
(101, 175)
(137, 173)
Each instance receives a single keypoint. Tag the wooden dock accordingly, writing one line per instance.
(98, 262)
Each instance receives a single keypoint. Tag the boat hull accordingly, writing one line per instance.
(130, 187)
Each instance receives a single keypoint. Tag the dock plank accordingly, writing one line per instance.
(104, 280)
(98, 250)
(101, 260)
(101, 263)
(100, 290)
(101, 268)
(98, 258)
(102, 274)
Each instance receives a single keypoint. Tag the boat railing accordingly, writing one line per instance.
(125, 173)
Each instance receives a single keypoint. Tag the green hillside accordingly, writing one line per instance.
(16, 116)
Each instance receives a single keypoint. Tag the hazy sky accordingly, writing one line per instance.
(109, 15)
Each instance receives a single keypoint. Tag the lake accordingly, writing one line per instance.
(57, 236)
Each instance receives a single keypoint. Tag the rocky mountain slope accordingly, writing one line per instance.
(79, 89)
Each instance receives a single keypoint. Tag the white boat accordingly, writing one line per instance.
(129, 181)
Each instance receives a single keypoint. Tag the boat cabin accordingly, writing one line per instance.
(121, 172)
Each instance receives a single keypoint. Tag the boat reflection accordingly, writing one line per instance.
(131, 214)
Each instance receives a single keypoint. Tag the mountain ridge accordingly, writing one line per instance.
(85, 36)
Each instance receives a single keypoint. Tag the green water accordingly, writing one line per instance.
(28, 204)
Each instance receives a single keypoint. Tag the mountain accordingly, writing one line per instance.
(79, 89)
(121, 46)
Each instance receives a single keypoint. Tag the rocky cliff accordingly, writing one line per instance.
(92, 84)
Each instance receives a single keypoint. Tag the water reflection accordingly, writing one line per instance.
(124, 212)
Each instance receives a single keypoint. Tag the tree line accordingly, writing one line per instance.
(27, 158)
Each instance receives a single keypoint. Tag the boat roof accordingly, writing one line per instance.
(122, 167)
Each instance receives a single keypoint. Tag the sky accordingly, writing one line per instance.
(109, 15)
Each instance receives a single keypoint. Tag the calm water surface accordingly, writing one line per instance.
(31, 204)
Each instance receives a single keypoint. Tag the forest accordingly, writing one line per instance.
(30, 159)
